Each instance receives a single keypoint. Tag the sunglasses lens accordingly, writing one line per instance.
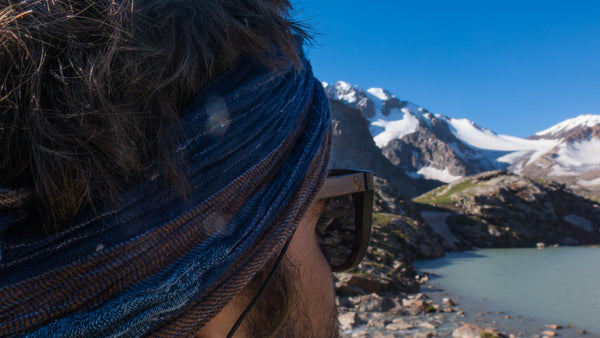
(336, 229)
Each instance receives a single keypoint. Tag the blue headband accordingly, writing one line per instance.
(256, 148)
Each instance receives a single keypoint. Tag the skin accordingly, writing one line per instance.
(314, 313)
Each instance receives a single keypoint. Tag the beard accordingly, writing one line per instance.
(300, 325)
(281, 310)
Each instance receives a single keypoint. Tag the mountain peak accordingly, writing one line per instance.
(380, 93)
(567, 126)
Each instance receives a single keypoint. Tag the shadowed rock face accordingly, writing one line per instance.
(435, 145)
(353, 147)
(399, 233)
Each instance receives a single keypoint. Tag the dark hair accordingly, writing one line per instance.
(272, 309)
(88, 87)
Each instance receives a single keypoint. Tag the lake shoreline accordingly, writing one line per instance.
(519, 290)
(434, 312)
(485, 314)
(437, 311)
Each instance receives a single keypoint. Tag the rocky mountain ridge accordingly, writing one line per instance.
(434, 146)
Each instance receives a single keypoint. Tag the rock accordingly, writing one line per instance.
(377, 323)
(492, 333)
(419, 296)
(378, 315)
(424, 335)
(549, 333)
(362, 284)
(467, 331)
(448, 302)
(349, 320)
(430, 325)
(374, 303)
(344, 302)
(344, 290)
(381, 335)
(554, 326)
(582, 332)
(415, 307)
(399, 325)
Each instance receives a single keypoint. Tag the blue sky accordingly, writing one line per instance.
(516, 67)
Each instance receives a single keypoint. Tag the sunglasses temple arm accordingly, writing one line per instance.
(363, 213)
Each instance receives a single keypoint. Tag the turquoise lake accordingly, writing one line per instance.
(553, 285)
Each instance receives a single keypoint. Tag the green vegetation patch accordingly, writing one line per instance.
(389, 225)
(485, 334)
(445, 199)
(383, 219)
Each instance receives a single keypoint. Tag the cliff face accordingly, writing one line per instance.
(399, 233)
(353, 147)
(499, 209)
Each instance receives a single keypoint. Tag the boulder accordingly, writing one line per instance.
(415, 307)
(363, 284)
(399, 324)
(373, 303)
(349, 320)
(467, 331)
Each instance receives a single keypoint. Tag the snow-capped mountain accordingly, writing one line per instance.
(438, 147)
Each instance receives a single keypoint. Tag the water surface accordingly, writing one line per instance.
(555, 285)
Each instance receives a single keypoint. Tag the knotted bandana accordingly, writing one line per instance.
(256, 148)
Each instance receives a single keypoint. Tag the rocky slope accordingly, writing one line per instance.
(399, 232)
(500, 209)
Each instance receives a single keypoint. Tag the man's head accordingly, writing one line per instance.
(90, 82)
(176, 147)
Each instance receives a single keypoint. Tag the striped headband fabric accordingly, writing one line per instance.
(256, 149)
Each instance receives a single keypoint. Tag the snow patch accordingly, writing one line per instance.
(589, 183)
(379, 93)
(580, 153)
(580, 222)
(485, 139)
(395, 126)
(437, 174)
